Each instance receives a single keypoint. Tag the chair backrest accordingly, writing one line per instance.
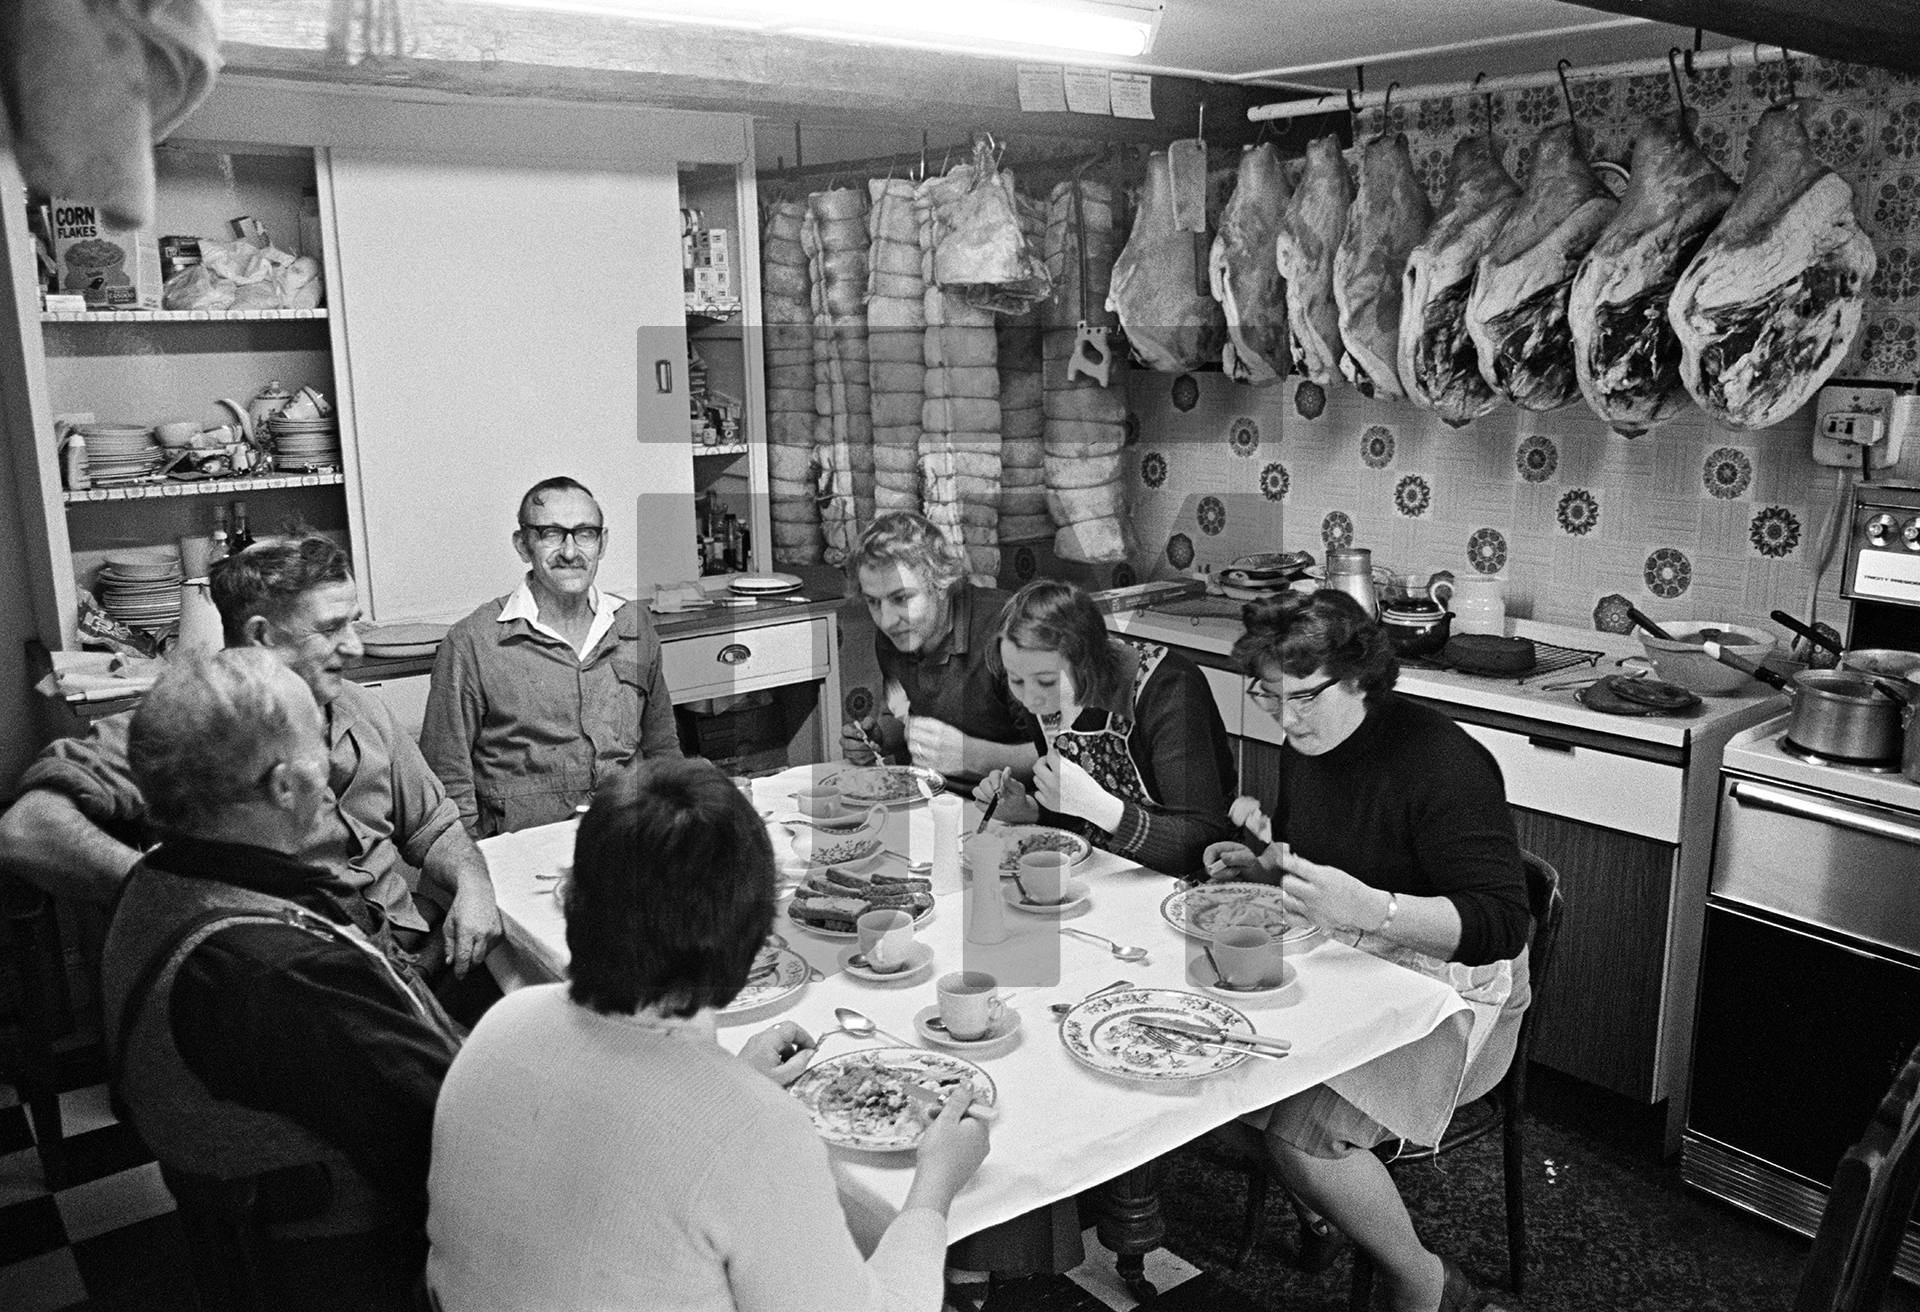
(1546, 907)
(1868, 1207)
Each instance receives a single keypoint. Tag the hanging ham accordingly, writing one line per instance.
(1245, 273)
(1171, 327)
(1304, 249)
(1625, 353)
(1390, 216)
(1769, 308)
(1438, 363)
(1517, 314)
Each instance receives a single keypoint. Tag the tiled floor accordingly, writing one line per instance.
(1613, 1231)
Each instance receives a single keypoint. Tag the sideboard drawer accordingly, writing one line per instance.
(1602, 788)
(723, 664)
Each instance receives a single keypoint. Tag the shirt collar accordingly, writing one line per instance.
(959, 639)
(521, 605)
(316, 887)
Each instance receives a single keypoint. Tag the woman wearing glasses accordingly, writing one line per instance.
(538, 695)
(1134, 755)
(1390, 831)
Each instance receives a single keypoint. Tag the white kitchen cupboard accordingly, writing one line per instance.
(505, 303)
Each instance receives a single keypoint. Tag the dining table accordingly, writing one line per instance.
(1062, 1126)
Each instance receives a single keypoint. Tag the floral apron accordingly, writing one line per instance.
(1103, 752)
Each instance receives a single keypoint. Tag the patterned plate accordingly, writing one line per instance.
(1022, 839)
(1100, 1033)
(858, 1100)
(893, 785)
(1204, 911)
(778, 973)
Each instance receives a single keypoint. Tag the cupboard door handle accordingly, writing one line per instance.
(1547, 744)
(663, 375)
(734, 653)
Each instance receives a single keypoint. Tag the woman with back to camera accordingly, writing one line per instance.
(595, 1147)
(1390, 831)
(1134, 755)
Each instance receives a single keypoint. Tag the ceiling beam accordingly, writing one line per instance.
(1885, 33)
(476, 49)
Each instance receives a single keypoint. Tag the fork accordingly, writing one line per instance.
(1186, 1045)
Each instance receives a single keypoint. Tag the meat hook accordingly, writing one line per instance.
(1486, 100)
(1679, 92)
(1786, 63)
(1560, 70)
(1386, 108)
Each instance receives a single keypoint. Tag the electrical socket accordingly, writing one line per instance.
(1848, 418)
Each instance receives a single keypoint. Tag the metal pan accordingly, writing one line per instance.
(1841, 714)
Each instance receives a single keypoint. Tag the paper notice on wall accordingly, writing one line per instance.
(1087, 90)
(1131, 94)
(1042, 89)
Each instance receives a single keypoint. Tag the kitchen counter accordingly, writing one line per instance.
(1532, 699)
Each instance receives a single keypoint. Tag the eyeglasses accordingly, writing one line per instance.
(1300, 701)
(585, 536)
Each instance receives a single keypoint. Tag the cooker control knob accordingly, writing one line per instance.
(1910, 534)
(1881, 529)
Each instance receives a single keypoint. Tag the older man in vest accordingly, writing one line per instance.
(279, 1059)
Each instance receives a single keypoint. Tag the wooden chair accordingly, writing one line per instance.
(1500, 1109)
(1868, 1207)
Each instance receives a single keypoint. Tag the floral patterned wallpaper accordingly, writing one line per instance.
(1691, 521)
(1865, 124)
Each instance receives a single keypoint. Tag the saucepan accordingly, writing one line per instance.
(1843, 715)
(1883, 662)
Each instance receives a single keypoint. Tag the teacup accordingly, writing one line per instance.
(176, 435)
(822, 803)
(970, 1004)
(886, 939)
(1044, 876)
(1246, 957)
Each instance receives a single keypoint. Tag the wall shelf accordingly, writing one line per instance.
(737, 449)
(202, 487)
(178, 316)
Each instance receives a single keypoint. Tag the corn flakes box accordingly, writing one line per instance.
(114, 268)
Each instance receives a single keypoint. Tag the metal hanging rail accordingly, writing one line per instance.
(1697, 60)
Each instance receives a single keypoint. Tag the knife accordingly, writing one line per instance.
(1215, 1034)
(934, 1103)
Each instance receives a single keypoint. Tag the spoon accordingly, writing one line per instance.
(1124, 953)
(860, 1026)
(1060, 1009)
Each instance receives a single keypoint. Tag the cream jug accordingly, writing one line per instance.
(1479, 606)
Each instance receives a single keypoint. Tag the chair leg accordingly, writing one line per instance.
(1257, 1182)
(1513, 1151)
(1360, 1291)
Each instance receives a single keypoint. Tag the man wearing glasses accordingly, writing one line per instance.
(538, 695)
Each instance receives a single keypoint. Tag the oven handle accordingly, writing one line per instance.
(1767, 799)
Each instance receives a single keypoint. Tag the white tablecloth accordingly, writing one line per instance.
(1063, 1127)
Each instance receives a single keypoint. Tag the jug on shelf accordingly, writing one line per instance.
(199, 620)
(270, 401)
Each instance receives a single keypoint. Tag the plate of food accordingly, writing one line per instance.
(1022, 839)
(1204, 911)
(860, 1099)
(1103, 1033)
(890, 785)
(830, 902)
(778, 974)
(855, 851)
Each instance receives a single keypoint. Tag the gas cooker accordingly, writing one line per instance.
(1759, 751)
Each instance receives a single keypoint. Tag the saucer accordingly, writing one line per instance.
(917, 961)
(1003, 1029)
(1077, 896)
(1212, 982)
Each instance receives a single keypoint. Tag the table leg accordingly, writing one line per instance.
(1131, 1226)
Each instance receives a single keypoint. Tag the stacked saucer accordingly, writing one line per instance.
(120, 453)
(141, 589)
(305, 443)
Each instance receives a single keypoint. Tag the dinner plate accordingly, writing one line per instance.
(766, 585)
(846, 934)
(1077, 897)
(890, 785)
(1022, 839)
(1003, 1029)
(778, 974)
(918, 959)
(857, 1100)
(824, 851)
(1204, 911)
(1100, 1033)
(396, 640)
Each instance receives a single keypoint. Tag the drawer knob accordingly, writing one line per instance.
(734, 653)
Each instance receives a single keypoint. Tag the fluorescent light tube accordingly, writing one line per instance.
(1098, 27)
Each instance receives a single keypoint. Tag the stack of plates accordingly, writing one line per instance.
(305, 443)
(120, 453)
(141, 589)
(1252, 578)
(765, 585)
